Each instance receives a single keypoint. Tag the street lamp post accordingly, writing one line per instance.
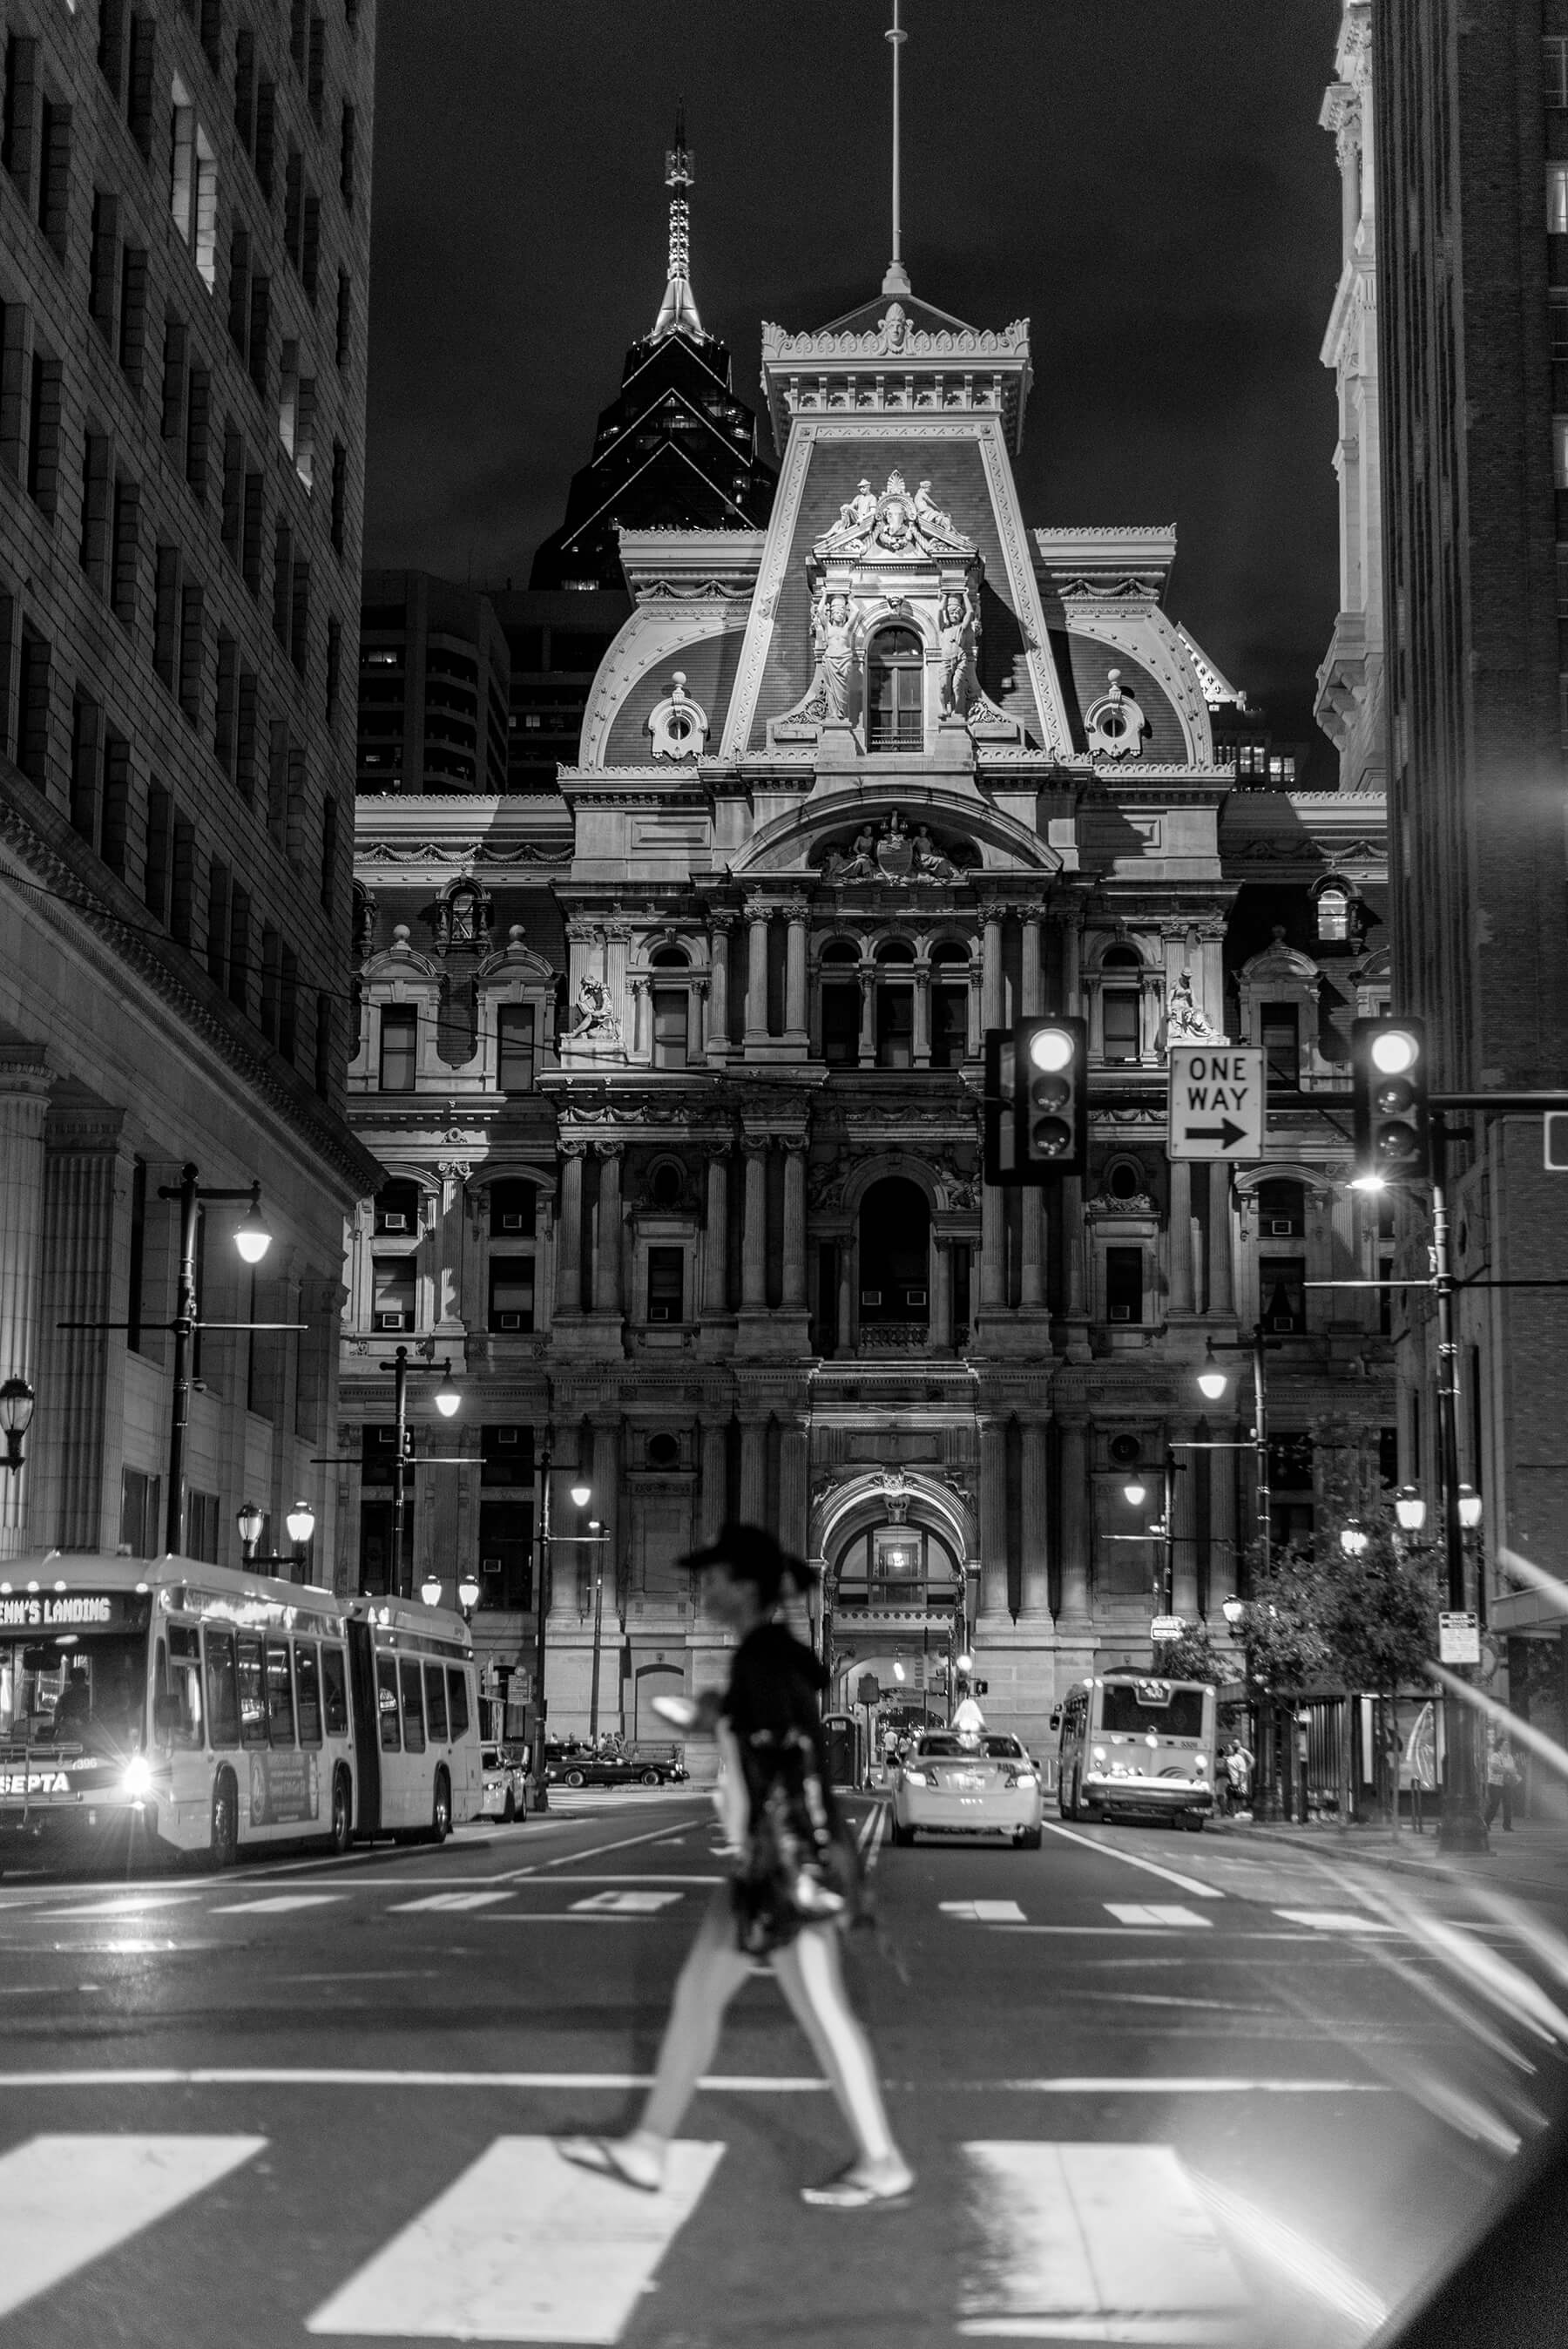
(16, 1401)
(447, 1400)
(252, 1518)
(544, 1538)
(252, 1240)
(598, 1633)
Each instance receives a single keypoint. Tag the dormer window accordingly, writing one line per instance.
(895, 692)
(1334, 914)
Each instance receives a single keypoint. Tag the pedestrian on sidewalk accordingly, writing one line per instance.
(1502, 1773)
(792, 1892)
(1238, 1775)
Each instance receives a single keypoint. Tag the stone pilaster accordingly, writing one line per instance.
(1179, 1238)
(754, 1242)
(1035, 1595)
(793, 1292)
(607, 1252)
(715, 1236)
(569, 1239)
(994, 1604)
(80, 1397)
(1073, 1608)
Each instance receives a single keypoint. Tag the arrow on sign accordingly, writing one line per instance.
(1226, 1135)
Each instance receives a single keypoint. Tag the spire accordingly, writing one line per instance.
(678, 311)
(897, 278)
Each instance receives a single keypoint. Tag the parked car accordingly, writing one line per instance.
(503, 1785)
(572, 1763)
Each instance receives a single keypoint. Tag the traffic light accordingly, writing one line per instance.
(1388, 1081)
(1037, 1109)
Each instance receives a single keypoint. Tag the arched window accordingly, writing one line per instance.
(1334, 913)
(840, 1004)
(895, 1004)
(668, 958)
(511, 1205)
(895, 1254)
(1121, 1003)
(398, 1209)
(1282, 1254)
(895, 711)
(949, 1004)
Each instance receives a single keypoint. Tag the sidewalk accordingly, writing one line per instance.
(1533, 1858)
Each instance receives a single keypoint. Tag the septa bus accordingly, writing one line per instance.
(1136, 1746)
(160, 1707)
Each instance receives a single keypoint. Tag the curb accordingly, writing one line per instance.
(1395, 1861)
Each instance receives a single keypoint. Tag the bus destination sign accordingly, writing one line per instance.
(72, 1610)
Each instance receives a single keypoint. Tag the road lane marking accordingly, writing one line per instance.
(123, 1905)
(983, 1912)
(523, 2247)
(274, 1904)
(626, 1904)
(1153, 1912)
(67, 2200)
(570, 1859)
(1336, 1920)
(715, 2083)
(445, 1901)
(1057, 2260)
(1132, 1859)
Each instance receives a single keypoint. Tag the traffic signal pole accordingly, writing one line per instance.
(1463, 1825)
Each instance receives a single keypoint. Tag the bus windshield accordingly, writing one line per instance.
(89, 1692)
(1131, 1707)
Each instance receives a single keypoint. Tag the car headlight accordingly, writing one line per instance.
(138, 1775)
(915, 1778)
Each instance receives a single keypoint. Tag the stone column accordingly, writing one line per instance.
(754, 1471)
(1184, 1508)
(565, 1567)
(606, 1506)
(792, 1486)
(1031, 995)
(846, 1294)
(607, 1262)
(716, 1237)
(795, 1026)
(1221, 1256)
(77, 1426)
(793, 1295)
(24, 1110)
(1036, 1592)
(1032, 1255)
(697, 1038)
(1224, 1565)
(993, 1249)
(974, 1042)
(719, 1001)
(715, 1500)
(754, 1250)
(1074, 1239)
(940, 1294)
(757, 975)
(920, 1049)
(991, 971)
(1074, 1521)
(642, 1023)
(1179, 1240)
(992, 1517)
(569, 1231)
(868, 1050)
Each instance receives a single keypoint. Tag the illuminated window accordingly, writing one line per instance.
(1332, 913)
(1557, 199)
(1560, 451)
(1555, 72)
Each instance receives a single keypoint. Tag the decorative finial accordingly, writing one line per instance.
(677, 311)
(896, 281)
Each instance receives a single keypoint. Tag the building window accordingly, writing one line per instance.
(392, 1292)
(398, 1209)
(672, 1013)
(895, 681)
(512, 1294)
(514, 1047)
(399, 1042)
(1124, 1284)
(1333, 915)
(666, 1284)
(506, 1546)
(1122, 1008)
(1282, 1293)
(1557, 199)
(1282, 1210)
(506, 1455)
(896, 1027)
(1555, 72)
(1560, 451)
(1557, 316)
(1281, 1039)
(511, 1210)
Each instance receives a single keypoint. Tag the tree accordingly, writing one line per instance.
(1194, 1657)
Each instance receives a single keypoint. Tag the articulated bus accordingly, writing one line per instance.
(1132, 1745)
(154, 1708)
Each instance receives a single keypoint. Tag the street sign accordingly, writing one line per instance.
(1218, 1095)
(1166, 1626)
(1458, 1638)
(1554, 1137)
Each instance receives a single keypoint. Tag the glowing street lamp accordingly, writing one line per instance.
(1471, 1507)
(1135, 1493)
(1353, 1538)
(1410, 1509)
(301, 1522)
(1213, 1379)
(430, 1591)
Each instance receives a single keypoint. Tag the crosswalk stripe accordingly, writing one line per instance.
(124, 1905)
(625, 1904)
(276, 1903)
(1336, 1920)
(447, 1901)
(985, 1912)
(1156, 1912)
(1057, 2259)
(522, 2247)
(65, 2200)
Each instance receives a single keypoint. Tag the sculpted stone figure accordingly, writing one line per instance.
(930, 865)
(955, 634)
(929, 514)
(1184, 1022)
(596, 1020)
(834, 638)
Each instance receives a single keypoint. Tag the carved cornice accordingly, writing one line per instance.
(465, 854)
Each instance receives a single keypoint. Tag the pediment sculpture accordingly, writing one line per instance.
(1186, 1022)
(890, 851)
(597, 1022)
(908, 526)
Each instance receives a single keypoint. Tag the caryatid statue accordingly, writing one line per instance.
(833, 637)
(956, 628)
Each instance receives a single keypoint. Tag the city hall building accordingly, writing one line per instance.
(675, 1075)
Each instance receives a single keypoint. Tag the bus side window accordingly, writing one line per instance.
(413, 1708)
(436, 1703)
(308, 1683)
(387, 1703)
(223, 1694)
(457, 1701)
(253, 1692)
(185, 1682)
(335, 1690)
(280, 1694)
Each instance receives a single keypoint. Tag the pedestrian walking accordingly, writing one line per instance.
(1502, 1775)
(1238, 1775)
(792, 1891)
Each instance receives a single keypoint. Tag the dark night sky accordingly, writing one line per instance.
(1145, 182)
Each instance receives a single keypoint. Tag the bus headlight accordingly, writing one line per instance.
(1098, 1758)
(1200, 1762)
(137, 1777)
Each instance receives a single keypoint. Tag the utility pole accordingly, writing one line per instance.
(1463, 1825)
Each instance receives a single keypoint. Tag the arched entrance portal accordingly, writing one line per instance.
(895, 1258)
(896, 1587)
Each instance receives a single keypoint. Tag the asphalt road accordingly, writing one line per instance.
(1159, 2088)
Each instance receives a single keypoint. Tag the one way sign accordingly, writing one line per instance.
(1217, 1101)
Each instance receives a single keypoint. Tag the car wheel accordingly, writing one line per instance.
(1193, 1822)
(508, 1808)
(441, 1809)
(575, 1779)
(1029, 1838)
(341, 1833)
(652, 1778)
(225, 1841)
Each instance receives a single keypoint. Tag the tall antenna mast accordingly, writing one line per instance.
(677, 311)
(897, 279)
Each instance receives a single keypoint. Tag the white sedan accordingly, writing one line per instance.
(973, 1783)
(504, 1786)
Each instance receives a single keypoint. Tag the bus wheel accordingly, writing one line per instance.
(342, 1829)
(225, 1822)
(441, 1809)
(508, 1808)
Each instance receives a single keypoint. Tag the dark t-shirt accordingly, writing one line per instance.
(776, 1686)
